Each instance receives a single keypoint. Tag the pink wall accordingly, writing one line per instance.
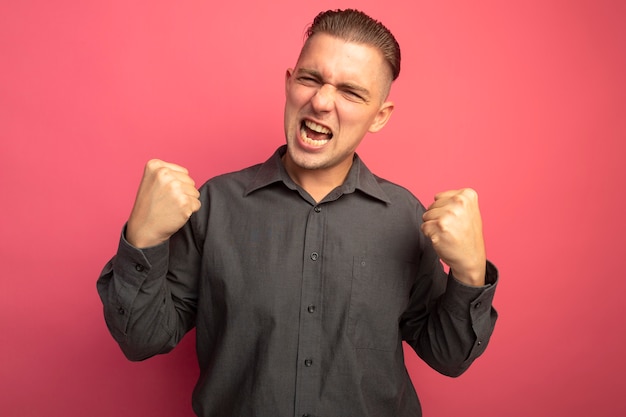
(523, 100)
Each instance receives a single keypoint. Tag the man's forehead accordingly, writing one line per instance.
(322, 46)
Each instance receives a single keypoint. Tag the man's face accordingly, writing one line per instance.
(335, 95)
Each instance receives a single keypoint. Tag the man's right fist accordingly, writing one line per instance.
(166, 198)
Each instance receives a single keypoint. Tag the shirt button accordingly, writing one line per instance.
(311, 308)
(314, 256)
(121, 310)
(308, 363)
(139, 267)
(477, 305)
(317, 209)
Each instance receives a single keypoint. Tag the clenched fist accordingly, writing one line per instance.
(166, 198)
(454, 225)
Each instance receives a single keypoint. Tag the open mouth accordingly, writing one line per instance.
(314, 134)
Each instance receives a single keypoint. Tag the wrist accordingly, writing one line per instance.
(140, 240)
(474, 277)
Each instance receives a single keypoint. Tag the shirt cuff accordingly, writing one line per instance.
(460, 297)
(135, 265)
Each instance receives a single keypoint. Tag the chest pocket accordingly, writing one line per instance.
(379, 295)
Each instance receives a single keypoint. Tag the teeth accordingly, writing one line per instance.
(310, 141)
(317, 128)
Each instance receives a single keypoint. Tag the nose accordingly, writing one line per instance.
(324, 98)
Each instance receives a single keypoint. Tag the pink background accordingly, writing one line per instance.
(523, 100)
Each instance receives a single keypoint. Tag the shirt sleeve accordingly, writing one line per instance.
(148, 307)
(453, 327)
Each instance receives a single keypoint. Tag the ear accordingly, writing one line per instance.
(288, 75)
(381, 118)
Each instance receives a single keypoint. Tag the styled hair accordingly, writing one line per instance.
(355, 26)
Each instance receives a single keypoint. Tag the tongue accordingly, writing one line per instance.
(312, 134)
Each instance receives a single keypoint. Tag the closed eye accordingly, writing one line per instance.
(307, 80)
(308, 77)
(349, 90)
(353, 95)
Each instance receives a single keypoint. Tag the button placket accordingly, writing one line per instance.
(310, 320)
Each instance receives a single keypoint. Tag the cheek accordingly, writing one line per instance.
(354, 117)
(294, 102)
(291, 103)
(297, 94)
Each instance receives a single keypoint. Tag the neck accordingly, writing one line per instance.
(317, 182)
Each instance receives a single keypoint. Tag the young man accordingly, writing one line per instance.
(304, 274)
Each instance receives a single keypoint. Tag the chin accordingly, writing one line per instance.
(304, 160)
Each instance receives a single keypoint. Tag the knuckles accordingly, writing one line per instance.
(153, 164)
(162, 173)
(452, 211)
(465, 199)
(468, 195)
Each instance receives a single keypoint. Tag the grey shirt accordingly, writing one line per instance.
(300, 307)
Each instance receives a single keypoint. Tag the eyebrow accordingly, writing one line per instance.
(343, 86)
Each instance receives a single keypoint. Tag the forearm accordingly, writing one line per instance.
(458, 327)
(138, 305)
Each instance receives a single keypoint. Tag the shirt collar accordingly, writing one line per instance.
(359, 177)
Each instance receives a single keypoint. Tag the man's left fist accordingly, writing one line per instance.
(454, 225)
